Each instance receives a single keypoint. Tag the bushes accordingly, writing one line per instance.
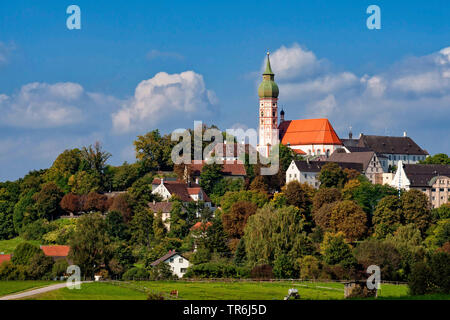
(431, 276)
(216, 270)
(23, 253)
(262, 272)
(136, 274)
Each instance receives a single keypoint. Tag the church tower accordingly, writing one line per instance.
(268, 111)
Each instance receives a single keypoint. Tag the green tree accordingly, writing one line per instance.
(240, 257)
(24, 252)
(336, 251)
(154, 151)
(366, 194)
(142, 228)
(309, 267)
(211, 175)
(84, 182)
(331, 175)
(47, 201)
(300, 195)
(116, 227)
(235, 220)
(257, 197)
(159, 230)
(325, 195)
(40, 266)
(387, 216)
(272, 232)
(380, 253)
(440, 158)
(416, 209)
(347, 217)
(24, 211)
(90, 244)
(96, 160)
(66, 164)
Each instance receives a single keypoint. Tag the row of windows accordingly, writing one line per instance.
(180, 260)
(414, 158)
(440, 190)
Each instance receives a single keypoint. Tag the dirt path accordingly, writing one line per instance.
(33, 292)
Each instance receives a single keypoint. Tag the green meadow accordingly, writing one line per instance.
(197, 290)
(10, 287)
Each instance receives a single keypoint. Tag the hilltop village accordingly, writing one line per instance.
(335, 206)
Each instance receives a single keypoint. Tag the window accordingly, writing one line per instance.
(183, 270)
(414, 158)
(306, 176)
(171, 260)
(433, 190)
(395, 158)
(180, 260)
(390, 157)
(441, 189)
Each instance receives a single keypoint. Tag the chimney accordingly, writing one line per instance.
(405, 134)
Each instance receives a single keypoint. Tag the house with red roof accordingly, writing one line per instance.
(56, 252)
(4, 258)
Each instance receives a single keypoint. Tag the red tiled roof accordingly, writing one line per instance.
(56, 251)
(299, 151)
(229, 168)
(5, 257)
(202, 225)
(308, 131)
(192, 191)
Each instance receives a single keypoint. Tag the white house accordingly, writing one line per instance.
(308, 171)
(187, 192)
(178, 264)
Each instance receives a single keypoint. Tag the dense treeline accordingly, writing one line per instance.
(262, 228)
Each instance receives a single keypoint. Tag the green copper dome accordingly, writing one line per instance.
(268, 88)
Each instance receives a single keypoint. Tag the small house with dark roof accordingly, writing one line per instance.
(308, 171)
(177, 263)
(165, 208)
(186, 192)
(371, 165)
(431, 179)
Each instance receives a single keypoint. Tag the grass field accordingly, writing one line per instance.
(138, 290)
(8, 246)
(9, 287)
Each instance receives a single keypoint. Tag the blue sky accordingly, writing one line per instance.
(61, 89)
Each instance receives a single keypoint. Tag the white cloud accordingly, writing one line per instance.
(412, 95)
(43, 105)
(5, 51)
(164, 97)
(292, 62)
